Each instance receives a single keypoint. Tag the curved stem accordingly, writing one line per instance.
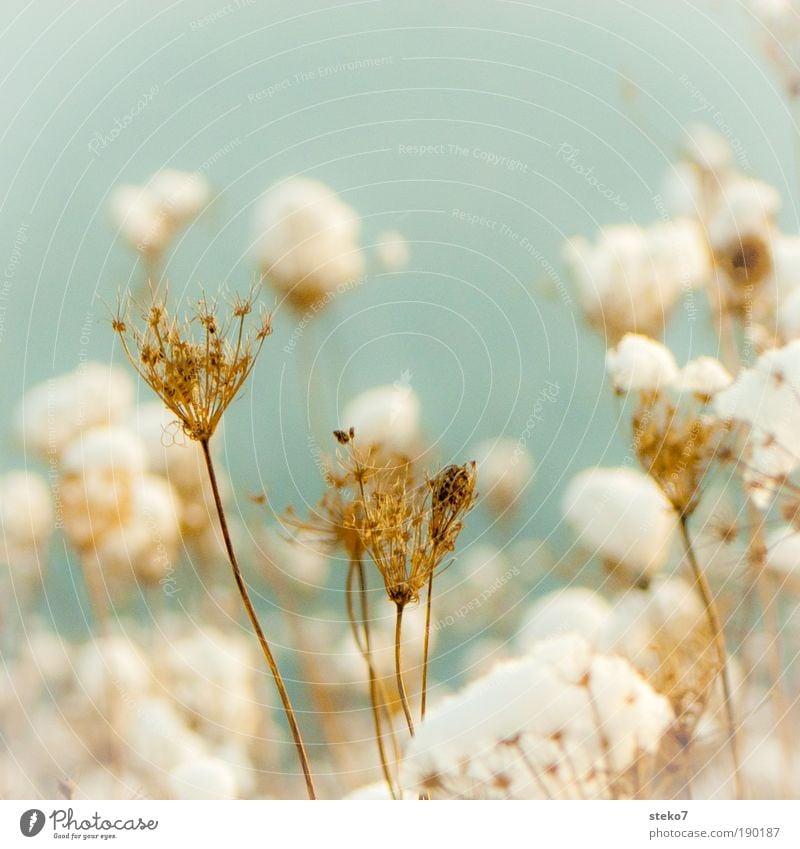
(719, 644)
(251, 612)
(770, 618)
(425, 648)
(101, 613)
(357, 568)
(401, 687)
(329, 717)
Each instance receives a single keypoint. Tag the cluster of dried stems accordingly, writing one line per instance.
(381, 509)
(378, 505)
(676, 447)
(197, 366)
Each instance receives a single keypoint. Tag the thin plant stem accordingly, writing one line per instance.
(401, 687)
(719, 643)
(534, 773)
(254, 621)
(380, 689)
(99, 605)
(152, 274)
(733, 360)
(770, 618)
(781, 706)
(425, 649)
(329, 717)
(365, 647)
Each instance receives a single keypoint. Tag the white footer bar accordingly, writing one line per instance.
(489, 825)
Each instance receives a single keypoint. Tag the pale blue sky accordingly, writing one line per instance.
(252, 91)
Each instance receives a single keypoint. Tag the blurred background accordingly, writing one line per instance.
(485, 132)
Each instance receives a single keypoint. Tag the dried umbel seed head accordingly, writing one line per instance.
(452, 496)
(335, 521)
(746, 262)
(452, 486)
(676, 449)
(196, 365)
(664, 633)
(307, 243)
(378, 505)
(561, 722)
(344, 436)
(631, 278)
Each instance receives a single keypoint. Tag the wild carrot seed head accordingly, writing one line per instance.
(196, 364)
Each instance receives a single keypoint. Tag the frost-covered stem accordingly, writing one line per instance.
(254, 621)
(356, 567)
(719, 643)
(398, 670)
(425, 649)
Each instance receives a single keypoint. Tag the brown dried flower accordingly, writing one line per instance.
(407, 527)
(198, 364)
(675, 448)
(379, 504)
(746, 260)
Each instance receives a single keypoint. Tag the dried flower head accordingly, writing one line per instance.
(623, 516)
(452, 494)
(198, 364)
(742, 236)
(631, 278)
(674, 436)
(676, 449)
(746, 261)
(333, 523)
(378, 505)
(409, 530)
(307, 243)
(765, 402)
(561, 722)
(664, 633)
